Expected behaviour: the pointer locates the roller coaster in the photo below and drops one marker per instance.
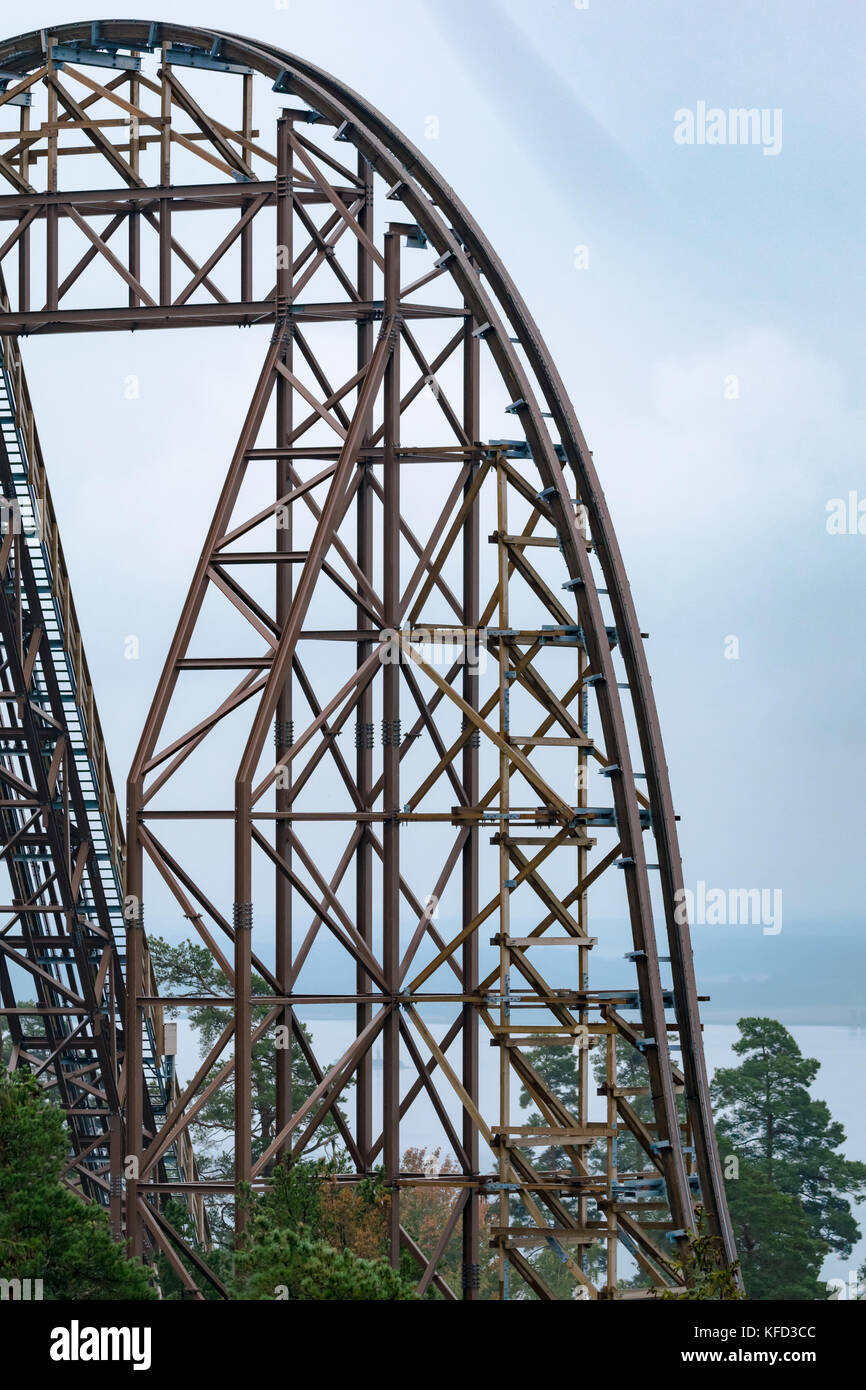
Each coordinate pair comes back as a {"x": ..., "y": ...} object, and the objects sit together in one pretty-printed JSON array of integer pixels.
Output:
[{"x": 404, "y": 750}]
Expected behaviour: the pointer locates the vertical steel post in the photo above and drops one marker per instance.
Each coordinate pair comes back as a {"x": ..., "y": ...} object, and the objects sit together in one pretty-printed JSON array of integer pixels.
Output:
[
  {"x": 165, "y": 181},
  {"x": 243, "y": 924},
  {"x": 24, "y": 239},
  {"x": 284, "y": 586},
  {"x": 470, "y": 857},
  {"x": 612, "y": 1118},
  {"x": 133, "y": 1051},
  {"x": 391, "y": 749},
  {"x": 115, "y": 1180},
  {"x": 364, "y": 712},
  {"x": 247, "y": 233},
  {"x": 134, "y": 217},
  {"x": 503, "y": 803},
  {"x": 51, "y": 212}
]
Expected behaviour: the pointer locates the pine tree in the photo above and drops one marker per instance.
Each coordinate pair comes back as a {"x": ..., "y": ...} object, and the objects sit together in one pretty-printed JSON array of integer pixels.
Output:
[
  {"x": 46, "y": 1231},
  {"x": 792, "y": 1200},
  {"x": 313, "y": 1238},
  {"x": 277, "y": 1263}
]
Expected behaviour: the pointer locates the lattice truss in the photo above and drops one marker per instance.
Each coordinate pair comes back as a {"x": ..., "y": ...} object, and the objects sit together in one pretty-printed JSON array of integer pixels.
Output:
[
  {"x": 405, "y": 737},
  {"x": 60, "y": 980}
]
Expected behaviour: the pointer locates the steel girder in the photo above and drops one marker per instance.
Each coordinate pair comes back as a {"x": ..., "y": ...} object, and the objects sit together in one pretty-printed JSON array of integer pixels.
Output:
[{"x": 357, "y": 547}]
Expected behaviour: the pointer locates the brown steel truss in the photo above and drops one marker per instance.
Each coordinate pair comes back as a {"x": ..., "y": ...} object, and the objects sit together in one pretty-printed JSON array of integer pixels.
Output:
[{"x": 388, "y": 764}]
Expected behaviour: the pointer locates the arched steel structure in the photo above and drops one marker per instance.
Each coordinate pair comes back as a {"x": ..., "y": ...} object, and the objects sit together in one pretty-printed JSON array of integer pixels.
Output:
[{"x": 360, "y": 881}]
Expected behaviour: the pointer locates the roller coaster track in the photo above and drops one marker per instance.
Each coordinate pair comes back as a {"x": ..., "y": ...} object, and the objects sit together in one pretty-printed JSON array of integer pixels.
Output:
[
  {"x": 380, "y": 560},
  {"x": 62, "y": 838}
]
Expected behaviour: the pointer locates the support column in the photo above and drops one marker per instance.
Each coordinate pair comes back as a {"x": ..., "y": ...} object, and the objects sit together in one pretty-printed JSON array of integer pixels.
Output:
[
  {"x": 471, "y": 600},
  {"x": 51, "y": 211},
  {"x": 364, "y": 713},
  {"x": 504, "y": 802},
  {"x": 24, "y": 238},
  {"x": 391, "y": 750},
  {"x": 115, "y": 1165},
  {"x": 243, "y": 929},
  {"x": 134, "y": 217},
  {"x": 131, "y": 1157},
  {"x": 283, "y": 729},
  {"x": 247, "y": 233},
  {"x": 165, "y": 180}
]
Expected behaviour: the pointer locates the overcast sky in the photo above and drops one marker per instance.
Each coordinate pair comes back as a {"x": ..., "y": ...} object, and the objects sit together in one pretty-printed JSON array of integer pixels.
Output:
[{"x": 706, "y": 263}]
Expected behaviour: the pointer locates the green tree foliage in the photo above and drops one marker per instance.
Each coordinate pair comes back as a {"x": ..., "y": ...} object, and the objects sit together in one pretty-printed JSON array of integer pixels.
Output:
[
  {"x": 46, "y": 1231},
  {"x": 787, "y": 1146},
  {"x": 779, "y": 1255},
  {"x": 709, "y": 1277},
  {"x": 312, "y": 1211},
  {"x": 307, "y": 1196},
  {"x": 311, "y": 1237},
  {"x": 278, "y": 1263}
]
